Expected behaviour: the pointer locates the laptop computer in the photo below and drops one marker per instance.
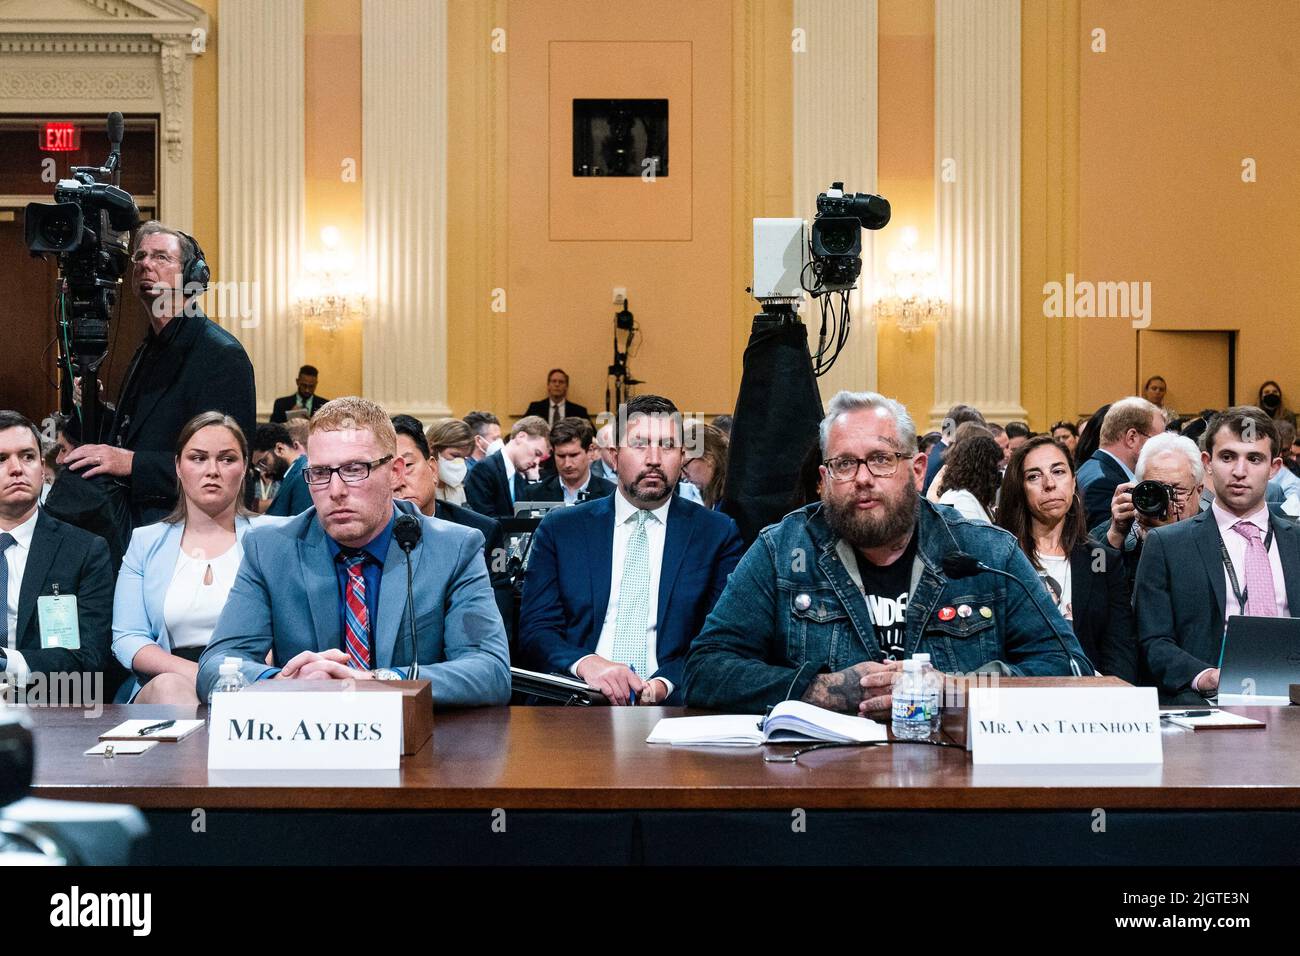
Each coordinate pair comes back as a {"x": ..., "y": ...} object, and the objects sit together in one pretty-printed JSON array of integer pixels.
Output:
[{"x": 1260, "y": 661}]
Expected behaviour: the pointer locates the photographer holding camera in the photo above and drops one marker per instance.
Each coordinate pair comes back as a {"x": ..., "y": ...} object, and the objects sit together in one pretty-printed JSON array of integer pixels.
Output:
[{"x": 187, "y": 364}]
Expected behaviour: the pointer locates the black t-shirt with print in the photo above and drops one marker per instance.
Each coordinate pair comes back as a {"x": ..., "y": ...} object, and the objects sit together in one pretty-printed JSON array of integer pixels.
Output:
[{"x": 886, "y": 590}]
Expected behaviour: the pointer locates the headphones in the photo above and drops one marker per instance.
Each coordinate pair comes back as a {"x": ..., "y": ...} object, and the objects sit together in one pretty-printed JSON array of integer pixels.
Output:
[{"x": 196, "y": 269}]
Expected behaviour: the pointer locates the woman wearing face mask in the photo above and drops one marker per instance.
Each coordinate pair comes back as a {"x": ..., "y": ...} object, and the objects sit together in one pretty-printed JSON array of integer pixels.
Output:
[
  {"x": 451, "y": 442},
  {"x": 1270, "y": 399},
  {"x": 177, "y": 573},
  {"x": 1039, "y": 504}
]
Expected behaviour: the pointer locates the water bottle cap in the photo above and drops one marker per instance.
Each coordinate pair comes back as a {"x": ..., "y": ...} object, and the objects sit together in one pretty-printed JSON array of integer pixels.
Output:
[
  {"x": 923, "y": 658},
  {"x": 229, "y": 666},
  {"x": 911, "y": 665}
]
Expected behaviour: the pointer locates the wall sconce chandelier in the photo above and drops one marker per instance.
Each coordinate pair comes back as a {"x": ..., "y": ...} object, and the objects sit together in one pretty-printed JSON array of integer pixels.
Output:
[
  {"x": 912, "y": 298},
  {"x": 329, "y": 295}
]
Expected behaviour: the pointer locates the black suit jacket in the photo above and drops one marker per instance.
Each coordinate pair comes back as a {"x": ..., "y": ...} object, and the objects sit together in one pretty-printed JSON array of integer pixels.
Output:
[
  {"x": 1099, "y": 491},
  {"x": 486, "y": 490},
  {"x": 494, "y": 554},
  {"x": 78, "y": 562},
  {"x": 542, "y": 409},
  {"x": 280, "y": 410},
  {"x": 550, "y": 490},
  {"x": 1180, "y": 597},
  {"x": 205, "y": 369},
  {"x": 1102, "y": 617}
]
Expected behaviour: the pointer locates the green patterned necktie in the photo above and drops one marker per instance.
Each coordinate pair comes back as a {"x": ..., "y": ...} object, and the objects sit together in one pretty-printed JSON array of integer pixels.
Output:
[{"x": 633, "y": 620}]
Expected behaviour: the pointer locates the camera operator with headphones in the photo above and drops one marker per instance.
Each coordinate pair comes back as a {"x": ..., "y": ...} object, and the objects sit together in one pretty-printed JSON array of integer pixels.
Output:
[{"x": 187, "y": 364}]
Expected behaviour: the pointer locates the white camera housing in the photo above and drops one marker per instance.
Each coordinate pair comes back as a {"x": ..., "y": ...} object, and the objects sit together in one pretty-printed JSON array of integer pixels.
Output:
[{"x": 779, "y": 256}]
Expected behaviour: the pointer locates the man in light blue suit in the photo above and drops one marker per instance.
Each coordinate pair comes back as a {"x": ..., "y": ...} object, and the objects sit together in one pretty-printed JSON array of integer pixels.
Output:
[{"x": 325, "y": 592}]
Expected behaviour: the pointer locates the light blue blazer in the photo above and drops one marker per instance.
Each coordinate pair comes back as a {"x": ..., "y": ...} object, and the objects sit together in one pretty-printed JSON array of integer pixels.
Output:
[
  {"x": 142, "y": 582},
  {"x": 286, "y": 599}
]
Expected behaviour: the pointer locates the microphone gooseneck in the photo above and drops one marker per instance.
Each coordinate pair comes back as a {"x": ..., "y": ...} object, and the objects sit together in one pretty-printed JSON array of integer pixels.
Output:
[
  {"x": 407, "y": 533},
  {"x": 958, "y": 564}
]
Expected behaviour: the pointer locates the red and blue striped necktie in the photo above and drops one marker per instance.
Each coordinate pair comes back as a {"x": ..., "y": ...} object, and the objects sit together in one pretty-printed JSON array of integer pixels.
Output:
[{"x": 356, "y": 616}]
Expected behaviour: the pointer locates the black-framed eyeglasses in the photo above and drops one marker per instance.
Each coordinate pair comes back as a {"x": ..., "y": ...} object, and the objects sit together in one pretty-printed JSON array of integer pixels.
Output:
[
  {"x": 349, "y": 471},
  {"x": 882, "y": 464}
]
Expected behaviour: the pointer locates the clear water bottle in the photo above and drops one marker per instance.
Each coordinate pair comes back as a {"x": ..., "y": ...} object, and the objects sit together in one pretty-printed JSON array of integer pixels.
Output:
[
  {"x": 229, "y": 679},
  {"x": 934, "y": 687},
  {"x": 911, "y": 720}
]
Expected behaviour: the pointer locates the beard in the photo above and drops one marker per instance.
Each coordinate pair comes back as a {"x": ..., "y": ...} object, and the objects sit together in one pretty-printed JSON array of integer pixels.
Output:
[
  {"x": 877, "y": 527},
  {"x": 638, "y": 492}
]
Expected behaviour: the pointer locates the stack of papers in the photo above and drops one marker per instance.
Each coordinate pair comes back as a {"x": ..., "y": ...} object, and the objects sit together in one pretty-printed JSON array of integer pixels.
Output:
[
  {"x": 130, "y": 730},
  {"x": 1217, "y": 720},
  {"x": 791, "y": 721}
]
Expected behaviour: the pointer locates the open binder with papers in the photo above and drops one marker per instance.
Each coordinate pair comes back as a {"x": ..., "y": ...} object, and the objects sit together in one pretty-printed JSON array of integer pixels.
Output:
[{"x": 790, "y": 721}]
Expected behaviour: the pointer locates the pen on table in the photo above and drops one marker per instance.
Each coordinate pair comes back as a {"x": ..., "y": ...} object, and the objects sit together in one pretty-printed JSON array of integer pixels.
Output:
[
  {"x": 154, "y": 728},
  {"x": 632, "y": 668},
  {"x": 1187, "y": 713}
]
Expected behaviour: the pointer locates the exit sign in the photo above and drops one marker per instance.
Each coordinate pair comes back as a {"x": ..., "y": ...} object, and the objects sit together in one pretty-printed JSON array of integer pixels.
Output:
[{"x": 60, "y": 137}]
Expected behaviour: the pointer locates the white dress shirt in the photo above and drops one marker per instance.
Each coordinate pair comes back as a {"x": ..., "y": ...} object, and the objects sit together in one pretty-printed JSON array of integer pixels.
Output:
[
  {"x": 1236, "y": 546},
  {"x": 192, "y": 605},
  {"x": 571, "y": 494},
  {"x": 656, "y": 529},
  {"x": 556, "y": 411},
  {"x": 16, "y": 558},
  {"x": 510, "y": 475}
]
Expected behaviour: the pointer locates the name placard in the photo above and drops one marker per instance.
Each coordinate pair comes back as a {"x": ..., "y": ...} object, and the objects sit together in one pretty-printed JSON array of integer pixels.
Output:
[
  {"x": 287, "y": 731},
  {"x": 1074, "y": 725}
]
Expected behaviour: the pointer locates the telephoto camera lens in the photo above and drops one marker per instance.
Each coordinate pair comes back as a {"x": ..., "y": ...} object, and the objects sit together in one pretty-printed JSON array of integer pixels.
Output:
[{"x": 1151, "y": 498}]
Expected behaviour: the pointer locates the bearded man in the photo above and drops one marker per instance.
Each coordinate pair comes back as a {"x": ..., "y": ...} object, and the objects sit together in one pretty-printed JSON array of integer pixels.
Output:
[{"x": 828, "y": 602}]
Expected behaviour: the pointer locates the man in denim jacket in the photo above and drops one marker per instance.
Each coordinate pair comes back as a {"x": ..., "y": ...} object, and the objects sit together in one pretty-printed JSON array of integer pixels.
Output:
[{"x": 827, "y": 602}]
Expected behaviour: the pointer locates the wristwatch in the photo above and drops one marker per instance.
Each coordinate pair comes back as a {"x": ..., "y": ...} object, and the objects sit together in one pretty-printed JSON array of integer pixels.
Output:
[{"x": 383, "y": 673}]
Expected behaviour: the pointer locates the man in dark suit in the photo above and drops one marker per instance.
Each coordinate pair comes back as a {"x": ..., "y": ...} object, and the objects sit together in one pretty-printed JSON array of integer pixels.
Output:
[
  {"x": 1124, "y": 430},
  {"x": 494, "y": 485},
  {"x": 44, "y": 560},
  {"x": 305, "y": 399},
  {"x": 1234, "y": 558},
  {"x": 187, "y": 364},
  {"x": 556, "y": 404},
  {"x": 574, "y": 482},
  {"x": 617, "y": 588},
  {"x": 419, "y": 485},
  {"x": 277, "y": 455}
]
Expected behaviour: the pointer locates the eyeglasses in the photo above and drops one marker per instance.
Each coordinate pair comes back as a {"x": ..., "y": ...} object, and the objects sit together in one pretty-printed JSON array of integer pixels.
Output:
[
  {"x": 351, "y": 471},
  {"x": 162, "y": 258},
  {"x": 882, "y": 464}
]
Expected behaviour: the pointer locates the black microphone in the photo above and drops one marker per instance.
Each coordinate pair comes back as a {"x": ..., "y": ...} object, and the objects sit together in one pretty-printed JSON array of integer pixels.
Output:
[
  {"x": 958, "y": 564},
  {"x": 407, "y": 532},
  {"x": 116, "y": 129}
]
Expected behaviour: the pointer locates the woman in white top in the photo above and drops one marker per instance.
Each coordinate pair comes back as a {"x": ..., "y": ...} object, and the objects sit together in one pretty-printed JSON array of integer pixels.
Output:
[
  {"x": 451, "y": 442},
  {"x": 176, "y": 574},
  {"x": 1039, "y": 504},
  {"x": 970, "y": 477}
]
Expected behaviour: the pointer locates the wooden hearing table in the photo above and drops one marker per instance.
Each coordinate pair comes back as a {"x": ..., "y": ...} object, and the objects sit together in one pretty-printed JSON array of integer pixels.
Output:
[{"x": 555, "y": 784}]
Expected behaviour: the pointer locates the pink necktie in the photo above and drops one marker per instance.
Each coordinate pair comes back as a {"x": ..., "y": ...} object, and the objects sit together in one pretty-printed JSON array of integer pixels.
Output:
[{"x": 1261, "y": 599}]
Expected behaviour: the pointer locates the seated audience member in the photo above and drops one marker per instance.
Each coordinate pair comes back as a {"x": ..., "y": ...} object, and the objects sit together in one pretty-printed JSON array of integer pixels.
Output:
[
  {"x": 304, "y": 399},
  {"x": 970, "y": 478},
  {"x": 1067, "y": 433},
  {"x": 1175, "y": 462},
  {"x": 419, "y": 485},
  {"x": 707, "y": 470},
  {"x": 573, "y": 482},
  {"x": 826, "y": 602},
  {"x": 1004, "y": 442},
  {"x": 273, "y": 456},
  {"x": 956, "y": 417},
  {"x": 292, "y": 498},
  {"x": 1124, "y": 430},
  {"x": 602, "y": 463},
  {"x": 1039, "y": 505},
  {"x": 1287, "y": 481},
  {"x": 497, "y": 482},
  {"x": 1233, "y": 558},
  {"x": 618, "y": 587},
  {"x": 1154, "y": 391},
  {"x": 1017, "y": 434},
  {"x": 1270, "y": 399},
  {"x": 41, "y": 557},
  {"x": 178, "y": 572},
  {"x": 325, "y": 592},
  {"x": 487, "y": 435},
  {"x": 723, "y": 424},
  {"x": 556, "y": 404},
  {"x": 964, "y": 431},
  {"x": 1089, "y": 437},
  {"x": 926, "y": 443},
  {"x": 450, "y": 443}
]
